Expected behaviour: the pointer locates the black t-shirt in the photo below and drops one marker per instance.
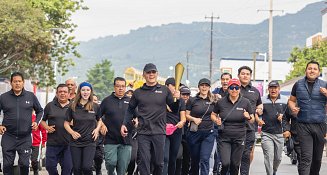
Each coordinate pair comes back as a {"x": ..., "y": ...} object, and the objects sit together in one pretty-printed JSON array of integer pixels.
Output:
[
  {"x": 174, "y": 116},
  {"x": 201, "y": 108},
  {"x": 253, "y": 95},
  {"x": 235, "y": 123},
  {"x": 55, "y": 114},
  {"x": 113, "y": 111},
  {"x": 84, "y": 122},
  {"x": 150, "y": 102}
]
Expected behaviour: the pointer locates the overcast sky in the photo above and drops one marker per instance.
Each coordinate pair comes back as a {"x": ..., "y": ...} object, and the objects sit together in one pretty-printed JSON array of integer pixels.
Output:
[{"x": 114, "y": 17}]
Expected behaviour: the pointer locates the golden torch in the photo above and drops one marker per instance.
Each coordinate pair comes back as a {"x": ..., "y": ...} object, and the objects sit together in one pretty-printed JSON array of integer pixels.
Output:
[{"x": 179, "y": 70}]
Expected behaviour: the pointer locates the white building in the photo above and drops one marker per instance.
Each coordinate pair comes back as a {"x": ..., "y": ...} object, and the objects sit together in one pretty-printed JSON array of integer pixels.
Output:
[
  {"x": 324, "y": 24},
  {"x": 280, "y": 68}
]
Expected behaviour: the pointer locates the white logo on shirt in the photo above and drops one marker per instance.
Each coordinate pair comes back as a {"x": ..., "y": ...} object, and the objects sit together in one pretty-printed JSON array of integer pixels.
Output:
[
  {"x": 27, "y": 102},
  {"x": 26, "y": 151},
  {"x": 158, "y": 92},
  {"x": 251, "y": 91},
  {"x": 208, "y": 103},
  {"x": 126, "y": 102},
  {"x": 92, "y": 112},
  {"x": 240, "y": 109}
]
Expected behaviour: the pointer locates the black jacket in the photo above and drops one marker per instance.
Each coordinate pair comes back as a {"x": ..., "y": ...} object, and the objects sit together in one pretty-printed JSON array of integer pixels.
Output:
[{"x": 17, "y": 112}]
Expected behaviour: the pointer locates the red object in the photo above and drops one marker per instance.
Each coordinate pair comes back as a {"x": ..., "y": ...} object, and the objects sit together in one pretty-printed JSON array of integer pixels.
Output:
[
  {"x": 39, "y": 134},
  {"x": 234, "y": 81}
]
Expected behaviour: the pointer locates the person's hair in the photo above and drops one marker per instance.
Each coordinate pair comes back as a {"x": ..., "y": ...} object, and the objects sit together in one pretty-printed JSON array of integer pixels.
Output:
[
  {"x": 209, "y": 95},
  {"x": 312, "y": 62},
  {"x": 226, "y": 73},
  {"x": 119, "y": 79},
  {"x": 244, "y": 67},
  {"x": 78, "y": 97},
  {"x": 15, "y": 74},
  {"x": 61, "y": 85},
  {"x": 71, "y": 79}
]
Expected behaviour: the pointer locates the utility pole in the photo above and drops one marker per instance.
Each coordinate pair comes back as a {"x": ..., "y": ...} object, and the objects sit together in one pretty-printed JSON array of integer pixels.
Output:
[
  {"x": 254, "y": 55},
  {"x": 270, "y": 41},
  {"x": 187, "y": 64},
  {"x": 210, "y": 59}
]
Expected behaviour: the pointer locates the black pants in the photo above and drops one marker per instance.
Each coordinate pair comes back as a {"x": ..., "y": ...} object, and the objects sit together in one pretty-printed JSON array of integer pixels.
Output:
[
  {"x": 10, "y": 144},
  {"x": 34, "y": 158},
  {"x": 132, "y": 164},
  {"x": 231, "y": 150},
  {"x": 82, "y": 159},
  {"x": 172, "y": 144},
  {"x": 151, "y": 152},
  {"x": 98, "y": 157},
  {"x": 249, "y": 143},
  {"x": 311, "y": 138}
]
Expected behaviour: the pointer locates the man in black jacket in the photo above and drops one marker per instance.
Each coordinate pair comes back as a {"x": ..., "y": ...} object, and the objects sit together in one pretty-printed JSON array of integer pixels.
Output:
[
  {"x": 152, "y": 100},
  {"x": 18, "y": 105}
]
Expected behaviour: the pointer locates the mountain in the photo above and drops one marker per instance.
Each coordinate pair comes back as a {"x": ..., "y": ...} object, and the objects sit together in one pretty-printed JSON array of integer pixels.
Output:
[{"x": 166, "y": 45}]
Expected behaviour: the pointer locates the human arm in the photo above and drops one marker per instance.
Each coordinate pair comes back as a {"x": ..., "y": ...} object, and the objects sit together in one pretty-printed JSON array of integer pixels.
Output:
[
  {"x": 44, "y": 135},
  {"x": 38, "y": 110},
  {"x": 292, "y": 105}
]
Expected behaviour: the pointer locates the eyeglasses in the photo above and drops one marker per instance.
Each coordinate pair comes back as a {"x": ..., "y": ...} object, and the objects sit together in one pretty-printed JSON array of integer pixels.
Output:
[
  {"x": 234, "y": 87},
  {"x": 151, "y": 72},
  {"x": 120, "y": 87}
]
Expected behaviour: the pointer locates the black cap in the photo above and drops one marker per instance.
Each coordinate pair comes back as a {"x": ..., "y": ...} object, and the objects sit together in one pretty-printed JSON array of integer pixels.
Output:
[
  {"x": 185, "y": 90},
  {"x": 204, "y": 81},
  {"x": 169, "y": 81},
  {"x": 273, "y": 84},
  {"x": 149, "y": 67}
]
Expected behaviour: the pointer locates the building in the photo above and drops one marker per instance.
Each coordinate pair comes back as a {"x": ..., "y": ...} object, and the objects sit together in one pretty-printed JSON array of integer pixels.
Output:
[
  {"x": 280, "y": 68},
  {"x": 314, "y": 39},
  {"x": 324, "y": 24}
]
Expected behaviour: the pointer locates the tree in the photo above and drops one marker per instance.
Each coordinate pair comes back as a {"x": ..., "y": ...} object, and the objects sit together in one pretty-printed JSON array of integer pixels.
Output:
[
  {"x": 101, "y": 76},
  {"x": 35, "y": 35},
  {"x": 300, "y": 58},
  {"x": 23, "y": 40}
]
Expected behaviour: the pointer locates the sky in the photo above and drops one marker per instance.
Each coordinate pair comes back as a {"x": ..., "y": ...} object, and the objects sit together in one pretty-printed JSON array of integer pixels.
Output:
[{"x": 115, "y": 17}]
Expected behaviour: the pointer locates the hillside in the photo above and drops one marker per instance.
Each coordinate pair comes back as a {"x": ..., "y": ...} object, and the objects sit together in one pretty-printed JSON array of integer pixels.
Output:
[{"x": 167, "y": 44}]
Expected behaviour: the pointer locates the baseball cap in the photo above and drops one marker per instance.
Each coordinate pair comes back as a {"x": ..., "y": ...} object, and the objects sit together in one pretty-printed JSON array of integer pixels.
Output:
[
  {"x": 169, "y": 81},
  {"x": 234, "y": 81},
  {"x": 149, "y": 67},
  {"x": 273, "y": 84},
  {"x": 185, "y": 90},
  {"x": 204, "y": 81}
]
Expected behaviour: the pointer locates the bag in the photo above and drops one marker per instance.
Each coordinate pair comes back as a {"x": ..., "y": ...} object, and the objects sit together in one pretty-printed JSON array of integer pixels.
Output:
[
  {"x": 289, "y": 145},
  {"x": 221, "y": 127},
  {"x": 193, "y": 127},
  {"x": 170, "y": 129}
]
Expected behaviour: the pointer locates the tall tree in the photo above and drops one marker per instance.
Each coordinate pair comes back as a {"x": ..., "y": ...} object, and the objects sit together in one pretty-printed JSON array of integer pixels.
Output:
[
  {"x": 101, "y": 76},
  {"x": 35, "y": 35},
  {"x": 300, "y": 58},
  {"x": 23, "y": 40}
]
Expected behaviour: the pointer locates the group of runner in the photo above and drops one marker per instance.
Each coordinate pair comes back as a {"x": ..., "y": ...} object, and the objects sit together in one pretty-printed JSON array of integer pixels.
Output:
[{"x": 158, "y": 129}]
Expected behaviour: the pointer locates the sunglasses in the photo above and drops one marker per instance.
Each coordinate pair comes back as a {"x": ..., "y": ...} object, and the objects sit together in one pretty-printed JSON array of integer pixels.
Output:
[
  {"x": 234, "y": 87},
  {"x": 151, "y": 72}
]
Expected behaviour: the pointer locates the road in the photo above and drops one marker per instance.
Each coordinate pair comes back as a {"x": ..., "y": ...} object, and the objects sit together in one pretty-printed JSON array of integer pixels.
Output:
[
  {"x": 285, "y": 168},
  {"x": 257, "y": 167}
]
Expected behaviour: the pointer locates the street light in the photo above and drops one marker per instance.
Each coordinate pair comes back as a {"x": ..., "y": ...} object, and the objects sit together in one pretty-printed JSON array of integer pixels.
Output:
[
  {"x": 171, "y": 68},
  {"x": 265, "y": 73}
]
